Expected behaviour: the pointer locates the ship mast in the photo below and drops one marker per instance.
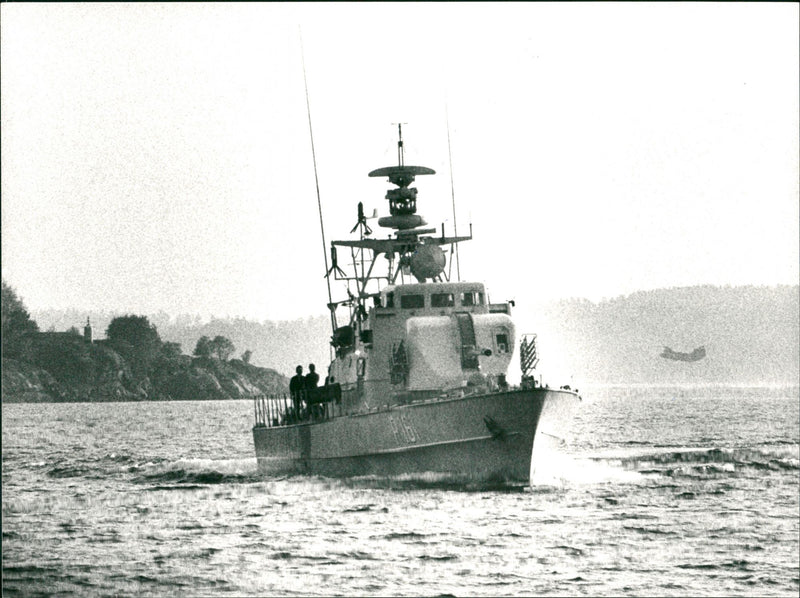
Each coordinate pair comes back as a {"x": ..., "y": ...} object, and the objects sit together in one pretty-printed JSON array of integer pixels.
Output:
[
  {"x": 413, "y": 249},
  {"x": 400, "y": 148}
]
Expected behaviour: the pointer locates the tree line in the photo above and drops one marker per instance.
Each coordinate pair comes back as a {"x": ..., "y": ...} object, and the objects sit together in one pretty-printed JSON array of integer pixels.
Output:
[
  {"x": 132, "y": 336},
  {"x": 219, "y": 346}
]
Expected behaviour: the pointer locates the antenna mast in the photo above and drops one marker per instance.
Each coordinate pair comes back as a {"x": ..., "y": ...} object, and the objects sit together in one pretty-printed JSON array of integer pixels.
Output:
[
  {"x": 401, "y": 152},
  {"x": 452, "y": 189},
  {"x": 316, "y": 182}
]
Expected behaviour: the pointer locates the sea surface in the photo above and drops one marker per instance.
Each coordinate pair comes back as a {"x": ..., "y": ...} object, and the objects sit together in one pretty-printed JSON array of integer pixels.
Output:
[{"x": 658, "y": 491}]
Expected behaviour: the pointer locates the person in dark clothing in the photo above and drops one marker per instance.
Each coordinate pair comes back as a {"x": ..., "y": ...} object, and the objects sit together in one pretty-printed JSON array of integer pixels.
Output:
[
  {"x": 311, "y": 381},
  {"x": 312, "y": 377},
  {"x": 296, "y": 387}
]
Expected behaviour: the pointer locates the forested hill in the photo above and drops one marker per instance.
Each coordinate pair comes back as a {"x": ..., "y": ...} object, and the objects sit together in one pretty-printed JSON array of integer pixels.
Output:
[
  {"x": 132, "y": 363},
  {"x": 751, "y": 335},
  {"x": 280, "y": 345}
]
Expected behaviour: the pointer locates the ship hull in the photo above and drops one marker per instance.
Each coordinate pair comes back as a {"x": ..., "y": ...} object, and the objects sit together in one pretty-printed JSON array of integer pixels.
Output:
[{"x": 487, "y": 437}]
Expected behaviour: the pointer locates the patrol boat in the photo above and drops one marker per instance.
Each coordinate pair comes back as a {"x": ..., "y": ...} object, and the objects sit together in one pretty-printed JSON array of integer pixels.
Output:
[{"x": 418, "y": 384}]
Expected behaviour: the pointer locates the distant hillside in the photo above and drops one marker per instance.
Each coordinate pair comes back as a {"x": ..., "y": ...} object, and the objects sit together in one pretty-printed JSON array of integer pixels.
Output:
[
  {"x": 751, "y": 334},
  {"x": 281, "y": 345}
]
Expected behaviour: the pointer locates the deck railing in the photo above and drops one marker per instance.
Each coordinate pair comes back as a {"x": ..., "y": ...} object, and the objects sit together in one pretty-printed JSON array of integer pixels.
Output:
[{"x": 284, "y": 409}]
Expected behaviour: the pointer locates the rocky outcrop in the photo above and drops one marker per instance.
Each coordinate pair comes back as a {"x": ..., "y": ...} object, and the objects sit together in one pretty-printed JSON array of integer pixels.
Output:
[
  {"x": 24, "y": 383},
  {"x": 63, "y": 367},
  {"x": 209, "y": 378}
]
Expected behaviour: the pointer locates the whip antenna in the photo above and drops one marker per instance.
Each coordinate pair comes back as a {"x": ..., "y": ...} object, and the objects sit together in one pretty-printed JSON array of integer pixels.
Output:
[
  {"x": 316, "y": 182},
  {"x": 452, "y": 188}
]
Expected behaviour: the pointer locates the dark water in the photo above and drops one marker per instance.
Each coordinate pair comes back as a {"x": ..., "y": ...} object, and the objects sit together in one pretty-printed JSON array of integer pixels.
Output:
[{"x": 683, "y": 491}]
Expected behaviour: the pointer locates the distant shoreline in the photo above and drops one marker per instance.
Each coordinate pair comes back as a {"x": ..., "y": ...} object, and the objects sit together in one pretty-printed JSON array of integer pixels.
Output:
[
  {"x": 15, "y": 401},
  {"x": 699, "y": 385},
  {"x": 587, "y": 390}
]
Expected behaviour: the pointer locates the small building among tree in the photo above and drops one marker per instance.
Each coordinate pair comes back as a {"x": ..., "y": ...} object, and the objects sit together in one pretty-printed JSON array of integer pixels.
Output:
[{"x": 87, "y": 331}]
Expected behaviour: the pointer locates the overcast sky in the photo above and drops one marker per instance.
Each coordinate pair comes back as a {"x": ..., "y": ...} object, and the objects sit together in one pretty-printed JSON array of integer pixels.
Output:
[{"x": 157, "y": 156}]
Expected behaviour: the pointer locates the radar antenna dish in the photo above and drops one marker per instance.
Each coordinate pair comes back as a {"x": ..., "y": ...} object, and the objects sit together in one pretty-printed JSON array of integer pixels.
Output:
[{"x": 403, "y": 200}]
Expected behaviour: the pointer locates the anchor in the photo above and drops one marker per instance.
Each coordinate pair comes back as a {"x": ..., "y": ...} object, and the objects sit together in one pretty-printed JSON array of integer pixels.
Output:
[{"x": 496, "y": 430}]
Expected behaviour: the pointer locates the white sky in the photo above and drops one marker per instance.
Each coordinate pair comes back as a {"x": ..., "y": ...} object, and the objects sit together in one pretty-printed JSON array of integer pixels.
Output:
[{"x": 157, "y": 156}]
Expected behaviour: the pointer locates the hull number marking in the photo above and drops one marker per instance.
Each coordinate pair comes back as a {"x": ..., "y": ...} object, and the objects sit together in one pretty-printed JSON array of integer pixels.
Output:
[{"x": 403, "y": 431}]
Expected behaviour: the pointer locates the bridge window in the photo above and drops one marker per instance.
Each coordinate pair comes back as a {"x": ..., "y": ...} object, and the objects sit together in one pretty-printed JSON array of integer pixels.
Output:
[
  {"x": 443, "y": 300},
  {"x": 470, "y": 298},
  {"x": 412, "y": 301},
  {"x": 389, "y": 300}
]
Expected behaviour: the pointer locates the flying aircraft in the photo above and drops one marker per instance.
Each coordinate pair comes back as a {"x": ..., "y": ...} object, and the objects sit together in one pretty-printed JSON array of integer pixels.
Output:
[{"x": 696, "y": 355}]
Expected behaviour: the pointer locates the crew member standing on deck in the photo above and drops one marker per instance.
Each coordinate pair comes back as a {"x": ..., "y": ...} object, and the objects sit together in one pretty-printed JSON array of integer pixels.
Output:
[
  {"x": 311, "y": 381},
  {"x": 296, "y": 389},
  {"x": 312, "y": 377}
]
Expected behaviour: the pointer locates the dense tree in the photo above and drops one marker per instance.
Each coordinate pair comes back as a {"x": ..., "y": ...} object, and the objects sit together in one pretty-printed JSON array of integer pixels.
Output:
[
  {"x": 203, "y": 348},
  {"x": 136, "y": 339},
  {"x": 16, "y": 321},
  {"x": 136, "y": 330},
  {"x": 67, "y": 358},
  {"x": 171, "y": 349},
  {"x": 222, "y": 347}
]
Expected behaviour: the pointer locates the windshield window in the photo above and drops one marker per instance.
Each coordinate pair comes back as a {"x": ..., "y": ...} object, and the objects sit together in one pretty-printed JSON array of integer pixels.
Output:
[
  {"x": 442, "y": 300},
  {"x": 471, "y": 298},
  {"x": 412, "y": 301}
]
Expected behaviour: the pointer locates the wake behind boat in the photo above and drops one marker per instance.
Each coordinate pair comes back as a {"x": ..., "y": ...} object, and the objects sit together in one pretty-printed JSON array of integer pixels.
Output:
[{"x": 418, "y": 382}]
